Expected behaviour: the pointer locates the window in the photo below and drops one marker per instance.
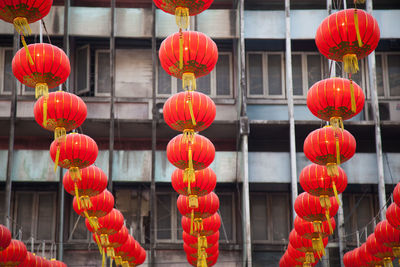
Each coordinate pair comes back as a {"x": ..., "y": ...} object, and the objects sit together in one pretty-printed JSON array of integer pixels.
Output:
[
  {"x": 77, "y": 228},
  {"x": 102, "y": 73},
  {"x": 6, "y": 76},
  {"x": 168, "y": 218},
  {"x": 227, "y": 213},
  {"x": 358, "y": 212},
  {"x": 217, "y": 84},
  {"x": 35, "y": 215},
  {"x": 269, "y": 215},
  {"x": 134, "y": 205},
  {"x": 82, "y": 67},
  {"x": 265, "y": 74}
]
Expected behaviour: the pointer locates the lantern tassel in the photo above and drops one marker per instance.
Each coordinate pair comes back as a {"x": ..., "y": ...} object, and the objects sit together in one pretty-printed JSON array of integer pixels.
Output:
[
  {"x": 352, "y": 96},
  {"x": 317, "y": 226},
  {"x": 118, "y": 260},
  {"x": 360, "y": 43},
  {"x": 359, "y": 1},
  {"x": 78, "y": 201},
  {"x": 103, "y": 261},
  {"x": 180, "y": 49},
  {"x": 193, "y": 201},
  {"x": 396, "y": 252},
  {"x": 110, "y": 253},
  {"x": 28, "y": 54},
  {"x": 350, "y": 62},
  {"x": 387, "y": 262},
  {"x": 125, "y": 264},
  {"x": 60, "y": 132},
  {"x": 104, "y": 240},
  {"x": 325, "y": 201},
  {"x": 310, "y": 257},
  {"x": 329, "y": 221},
  {"x": 182, "y": 17},
  {"x": 41, "y": 89},
  {"x": 332, "y": 169},
  {"x": 198, "y": 225},
  {"x": 337, "y": 151},
  {"x": 191, "y": 221},
  {"x": 336, "y": 193},
  {"x": 22, "y": 26},
  {"x": 336, "y": 123},
  {"x": 98, "y": 243},
  {"x": 189, "y": 102},
  {"x": 85, "y": 201},
  {"x": 75, "y": 173},
  {"x": 45, "y": 111},
  {"x": 188, "y": 135},
  {"x": 111, "y": 259},
  {"x": 189, "y": 81},
  {"x": 189, "y": 177},
  {"x": 57, "y": 158}
]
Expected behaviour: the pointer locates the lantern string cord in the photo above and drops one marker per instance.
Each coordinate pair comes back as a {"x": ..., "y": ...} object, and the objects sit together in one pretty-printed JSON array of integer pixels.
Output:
[{"x": 45, "y": 29}]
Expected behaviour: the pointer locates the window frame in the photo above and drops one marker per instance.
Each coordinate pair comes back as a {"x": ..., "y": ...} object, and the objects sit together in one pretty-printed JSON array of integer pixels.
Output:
[
  {"x": 87, "y": 89},
  {"x": 35, "y": 213},
  {"x": 173, "y": 218},
  {"x": 233, "y": 219},
  {"x": 385, "y": 72},
  {"x": 265, "y": 75},
  {"x": 71, "y": 227},
  {"x": 213, "y": 80},
  {"x": 268, "y": 196},
  {"x": 96, "y": 72},
  {"x": 2, "y": 69}
]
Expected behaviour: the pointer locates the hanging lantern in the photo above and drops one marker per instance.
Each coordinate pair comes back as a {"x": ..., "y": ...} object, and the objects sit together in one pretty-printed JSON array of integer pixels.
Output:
[
  {"x": 127, "y": 251},
  {"x": 60, "y": 112},
  {"x": 393, "y": 215},
  {"x": 188, "y": 55},
  {"x": 198, "y": 242},
  {"x": 204, "y": 182},
  {"x": 109, "y": 224},
  {"x": 49, "y": 68},
  {"x": 308, "y": 259},
  {"x": 202, "y": 253},
  {"x": 14, "y": 254},
  {"x": 102, "y": 204},
  {"x": 202, "y": 227},
  {"x": 210, "y": 260},
  {"x": 114, "y": 241},
  {"x": 5, "y": 237},
  {"x": 306, "y": 230},
  {"x": 315, "y": 180},
  {"x": 190, "y": 154},
  {"x": 335, "y": 100},
  {"x": 189, "y": 111},
  {"x": 140, "y": 258},
  {"x": 183, "y": 9},
  {"x": 309, "y": 208},
  {"x": 388, "y": 236},
  {"x": 56, "y": 263},
  {"x": 76, "y": 151},
  {"x": 207, "y": 206},
  {"x": 329, "y": 147},
  {"x": 367, "y": 259},
  {"x": 347, "y": 259},
  {"x": 396, "y": 194},
  {"x": 378, "y": 250},
  {"x": 30, "y": 260},
  {"x": 348, "y": 35},
  {"x": 93, "y": 181},
  {"x": 306, "y": 245},
  {"x": 287, "y": 261}
]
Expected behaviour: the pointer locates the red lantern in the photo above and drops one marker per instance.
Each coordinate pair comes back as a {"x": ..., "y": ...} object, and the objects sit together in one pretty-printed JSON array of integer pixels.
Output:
[
  {"x": 306, "y": 258},
  {"x": 203, "y": 241},
  {"x": 127, "y": 252},
  {"x": 49, "y": 68},
  {"x": 348, "y": 35},
  {"x": 201, "y": 151},
  {"x": 348, "y": 259},
  {"x": 109, "y": 224},
  {"x": 306, "y": 230},
  {"x": 5, "y": 237},
  {"x": 209, "y": 261},
  {"x": 378, "y": 250},
  {"x": 315, "y": 180},
  {"x": 388, "y": 236},
  {"x": 56, "y": 263},
  {"x": 396, "y": 194},
  {"x": 192, "y": 111},
  {"x": 310, "y": 209},
  {"x": 306, "y": 245},
  {"x": 30, "y": 260},
  {"x": 367, "y": 259},
  {"x": 93, "y": 181},
  {"x": 287, "y": 261},
  {"x": 183, "y": 9},
  {"x": 393, "y": 215},
  {"x": 207, "y": 206},
  {"x": 330, "y": 147},
  {"x": 14, "y": 254},
  {"x": 201, "y": 252},
  {"x": 115, "y": 240},
  {"x": 76, "y": 151},
  {"x": 188, "y": 55},
  {"x": 60, "y": 112},
  {"x": 335, "y": 100},
  {"x": 202, "y": 227},
  {"x": 140, "y": 258}
]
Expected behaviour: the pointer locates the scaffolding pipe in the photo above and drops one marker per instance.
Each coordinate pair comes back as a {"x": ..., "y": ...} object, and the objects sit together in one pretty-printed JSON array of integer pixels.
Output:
[
  {"x": 153, "y": 139},
  {"x": 289, "y": 93},
  {"x": 377, "y": 121},
  {"x": 112, "y": 98}
]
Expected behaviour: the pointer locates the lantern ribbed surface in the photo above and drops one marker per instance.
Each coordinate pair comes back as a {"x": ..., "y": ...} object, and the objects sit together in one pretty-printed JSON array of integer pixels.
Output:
[
  {"x": 205, "y": 182},
  {"x": 208, "y": 205}
]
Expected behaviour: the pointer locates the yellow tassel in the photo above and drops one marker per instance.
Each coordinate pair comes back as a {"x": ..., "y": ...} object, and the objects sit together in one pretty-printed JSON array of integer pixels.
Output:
[
  {"x": 193, "y": 201},
  {"x": 78, "y": 201},
  {"x": 111, "y": 260},
  {"x": 110, "y": 253},
  {"x": 104, "y": 259},
  {"x": 329, "y": 221},
  {"x": 125, "y": 264},
  {"x": 188, "y": 81},
  {"x": 359, "y": 1},
  {"x": 310, "y": 257},
  {"x": 60, "y": 132},
  {"x": 57, "y": 158},
  {"x": 353, "y": 99},
  {"x": 118, "y": 260},
  {"x": 45, "y": 111},
  {"x": 190, "y": 160},
  {"x": 198, "y": 225},
  {"x": 202, "y": 242},
  {"x": 182, "y": 17},
  {"x": 191, "y": 222},
  {"x": 317, "y": 226},
  {"x": 85, "y": 202},
  {"x": 41, "y": 89},
  {"x": 189, "y": 177},
  {"x": 189, "y": 102},
  {"x": 336, "y": 123},
  {"x": 98, "y": 243},
  {"x": 336, "y": 194},
  {"x": 387, "y": 262},
  {"x": 180, "y": 50},
  {"x": 104, "y": 240},
  {"x": 306, "y": 264},
  {"x": 188, "y": 135},
  {"x": 75, "y": 173},
  {"x": 324, "y": 201},
  {"x": 350, "y": 63},
  {"x": 332, "y": 169},
  {"x": 396, "y": 252},
  {"x": 360, "y": 44},
  {"x": 337, "y": 151},
  {"x": 22, "y": 26},
  {"x": 28, "y": 54}
]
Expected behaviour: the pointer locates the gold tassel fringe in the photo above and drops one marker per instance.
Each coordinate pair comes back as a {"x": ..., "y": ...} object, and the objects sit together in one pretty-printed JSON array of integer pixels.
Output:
[
  {"x": 336, "y": 193},
  {"x": 41, "y": 89},
  {"x": 22, "y": 26},
  {"x": 191, "y": 221},
  {"x": 180, "y": 49},
  {"x": 78, "y": 201},
  {"x": 317, "y": 226},
  {"x": 360, "y": 44},
  {"x": 350, "y": 62},
  {"x": 193, "y": 201},
  {"x": 325, "y": 201},
  {"x": 57, "y": 158},
  {"x": 182, "y": 17},
  {"x": 198, "y": 224},
  {"x": 45, "y": 111},
  {"x": 189, "y": 102},
  {"x": 337, "y": 151},
  {"x": 396, "y": 252},
  {"x": 336, "y": 123},
  {"x": 332, "y": 169},
  {"x": 60, "y": 132},
  {"x": 188, "y": 81},
  {"x": 329, "y": 221}
]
